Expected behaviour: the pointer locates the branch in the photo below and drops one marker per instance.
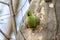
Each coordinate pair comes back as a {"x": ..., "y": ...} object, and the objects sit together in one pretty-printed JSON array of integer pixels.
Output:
[
  {"x": 6, "y": 36},
  {"x": 22, "y": 35},
  {"x": 4, "y": 3},
  {"x": 15, "y": 6},
  {"x": 13, "y": 18},
  {"x": 22, "y": 6}
]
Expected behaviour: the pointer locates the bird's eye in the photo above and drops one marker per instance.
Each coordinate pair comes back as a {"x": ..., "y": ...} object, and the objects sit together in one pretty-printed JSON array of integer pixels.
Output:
[{"x": 28, "y": 14}]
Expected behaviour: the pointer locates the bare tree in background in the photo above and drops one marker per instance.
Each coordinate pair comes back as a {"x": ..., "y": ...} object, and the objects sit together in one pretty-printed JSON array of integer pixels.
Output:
[{"x": 13, "y": 4}]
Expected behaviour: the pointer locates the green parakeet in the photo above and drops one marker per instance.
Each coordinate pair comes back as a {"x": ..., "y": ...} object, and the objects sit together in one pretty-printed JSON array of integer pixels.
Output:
[{"x": 30, "y": 19}]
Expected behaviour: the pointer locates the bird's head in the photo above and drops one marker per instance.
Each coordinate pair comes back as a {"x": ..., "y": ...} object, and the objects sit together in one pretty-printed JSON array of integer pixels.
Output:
[{"x": 28, "y": 13}]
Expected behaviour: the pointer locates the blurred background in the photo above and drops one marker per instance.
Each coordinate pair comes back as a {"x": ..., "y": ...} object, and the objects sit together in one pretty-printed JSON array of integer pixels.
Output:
[
  {"x": 5, "y": 15},
  {"x": 45, "y": 11}
]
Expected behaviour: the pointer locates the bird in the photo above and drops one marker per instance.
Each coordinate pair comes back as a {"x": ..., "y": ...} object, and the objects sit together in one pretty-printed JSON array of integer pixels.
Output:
[{"x": 30, "y": 19}]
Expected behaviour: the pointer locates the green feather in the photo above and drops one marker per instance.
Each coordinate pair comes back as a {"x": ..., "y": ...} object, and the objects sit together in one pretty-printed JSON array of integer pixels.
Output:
[{"x": 30, "y": 20}]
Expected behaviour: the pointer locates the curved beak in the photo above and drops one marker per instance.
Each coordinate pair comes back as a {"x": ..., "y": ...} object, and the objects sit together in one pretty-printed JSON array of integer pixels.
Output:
[{"x": 27, "y": 12}]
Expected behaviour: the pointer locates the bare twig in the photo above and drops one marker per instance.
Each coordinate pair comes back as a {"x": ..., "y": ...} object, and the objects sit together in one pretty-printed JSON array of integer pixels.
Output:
[
  {"x": 22, "y": 6},
  {"x": 7, "y": 15},
  {"x": 22, "y": 35},
  {"x": 14, "y": 23},
  {"x": 4, "y": 3},
  {"x": 13, "y": 18},
  {"x": 18, "y": 12},
  {"x": 15, "y": 6},
  {"x": 6, "y": 36}
]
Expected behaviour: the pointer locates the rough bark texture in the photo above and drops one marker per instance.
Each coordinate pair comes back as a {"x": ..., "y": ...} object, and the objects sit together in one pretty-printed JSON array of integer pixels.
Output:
[
  {"x": 58, "y": 15},
  {"x": 46, "y": 29}
]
